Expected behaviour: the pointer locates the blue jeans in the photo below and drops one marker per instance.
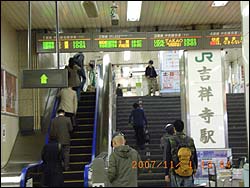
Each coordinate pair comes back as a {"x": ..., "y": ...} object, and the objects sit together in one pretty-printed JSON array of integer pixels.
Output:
[
  {"x": 177, "y": 181},
  {"x": 78, "y": 92}
]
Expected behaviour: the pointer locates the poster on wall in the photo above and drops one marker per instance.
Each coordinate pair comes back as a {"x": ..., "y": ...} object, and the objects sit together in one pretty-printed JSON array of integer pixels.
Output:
[
  {"x": 205, "y": 98},
  {"x": 171, "y": 81},
  {"x": 208, "y": 156},
  {"x": 169, "y": 75},
  {"x": 8, "y": 92}
]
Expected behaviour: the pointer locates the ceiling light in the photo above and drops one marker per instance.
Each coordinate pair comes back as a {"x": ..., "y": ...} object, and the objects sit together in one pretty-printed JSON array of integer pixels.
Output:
[
  {"x": 245, "y": 11},
  {"x": 134, "y": 10},
  {"x": 219, "y": 3},
  {"x": 90, "y": 8},
  {"x": 14, "y": 179}
]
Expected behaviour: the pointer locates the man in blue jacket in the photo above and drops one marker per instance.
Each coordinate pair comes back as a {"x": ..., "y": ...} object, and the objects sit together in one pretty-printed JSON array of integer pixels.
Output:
[{"x": 139, "y": 121}]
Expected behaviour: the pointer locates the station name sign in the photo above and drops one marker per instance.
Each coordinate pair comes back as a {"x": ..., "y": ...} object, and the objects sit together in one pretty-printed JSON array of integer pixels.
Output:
[{"x": 139, "y": 41}]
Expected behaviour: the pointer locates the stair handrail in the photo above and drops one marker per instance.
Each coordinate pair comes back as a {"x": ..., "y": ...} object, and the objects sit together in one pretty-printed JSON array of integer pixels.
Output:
[
  {"x": 25, "y": 170},
  {"x": 93, "y": 153}
]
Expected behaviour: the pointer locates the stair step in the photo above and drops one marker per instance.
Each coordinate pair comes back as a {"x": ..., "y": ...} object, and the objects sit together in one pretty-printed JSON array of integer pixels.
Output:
[
  {"x": 69, "y": 175},
  {"x": 151, "y": 183},
  {"x": 82, "y": 134},
  {"x": 73, "y": 183}
]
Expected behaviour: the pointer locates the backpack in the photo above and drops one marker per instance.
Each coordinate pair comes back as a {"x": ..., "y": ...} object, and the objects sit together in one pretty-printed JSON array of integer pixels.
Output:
[
  {"x": 182, "y": 157},
  {"x": 79, "y": 60}
]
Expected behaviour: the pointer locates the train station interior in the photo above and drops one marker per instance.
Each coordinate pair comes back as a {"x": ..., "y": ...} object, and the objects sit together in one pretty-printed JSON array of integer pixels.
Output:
[{"x": 199, "y": 51}]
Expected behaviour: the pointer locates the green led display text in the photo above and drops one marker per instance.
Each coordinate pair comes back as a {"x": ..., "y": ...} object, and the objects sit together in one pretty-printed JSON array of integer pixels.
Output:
[
  {"x": 48, "y": 45},
  {"x": 175, "y": 42},
  {"x": 77, "y": 44}
]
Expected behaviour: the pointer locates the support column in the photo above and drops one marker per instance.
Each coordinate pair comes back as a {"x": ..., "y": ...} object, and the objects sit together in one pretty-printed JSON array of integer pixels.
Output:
[{"x": 245, "y": 55}]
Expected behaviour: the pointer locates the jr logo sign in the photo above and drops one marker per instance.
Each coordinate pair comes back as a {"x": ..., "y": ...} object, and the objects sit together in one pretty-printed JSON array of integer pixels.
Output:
[{"x": 204, "y": 55}]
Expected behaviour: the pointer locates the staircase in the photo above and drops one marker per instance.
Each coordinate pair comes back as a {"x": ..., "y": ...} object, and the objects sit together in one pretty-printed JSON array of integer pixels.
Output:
[
  {"x": 237, "y": 131},
  {"x": 81, "y": 141},
  {"x": 158, "y": 111}
]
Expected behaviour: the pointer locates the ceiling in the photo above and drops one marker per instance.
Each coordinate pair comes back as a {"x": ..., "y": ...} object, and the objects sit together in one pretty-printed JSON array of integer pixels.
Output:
[{"x": 164, "y": 14}]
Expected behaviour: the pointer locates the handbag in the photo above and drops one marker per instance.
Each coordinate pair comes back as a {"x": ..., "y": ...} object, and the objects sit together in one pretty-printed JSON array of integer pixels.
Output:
[{"x": 146, "y": 135}]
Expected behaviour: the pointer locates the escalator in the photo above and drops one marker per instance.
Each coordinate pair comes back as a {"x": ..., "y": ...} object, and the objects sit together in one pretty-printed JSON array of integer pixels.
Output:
[{"x": 81, "y": 141}]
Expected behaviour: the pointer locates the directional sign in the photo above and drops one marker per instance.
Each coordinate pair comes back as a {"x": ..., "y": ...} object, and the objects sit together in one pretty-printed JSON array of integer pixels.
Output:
[{"x": 46, "y": 78}]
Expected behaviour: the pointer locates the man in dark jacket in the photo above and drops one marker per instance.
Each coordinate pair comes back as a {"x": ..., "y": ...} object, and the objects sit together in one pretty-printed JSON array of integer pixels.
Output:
[
  {"x": 151, "y": 75},
  {"x": 52, "y": 164},
  {"x": 61, "y": 127},
  {"x": 170, "y": 154},
  {"x": 119, "y": 90},
  {"x": 139, "y": 121},
  {"x": 79, "y": 60},
  {"x": 123, "y": 163}
]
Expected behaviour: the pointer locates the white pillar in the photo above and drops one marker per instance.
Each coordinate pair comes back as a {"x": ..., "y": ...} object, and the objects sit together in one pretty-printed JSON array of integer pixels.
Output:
[{"x": 245, "y": 55}]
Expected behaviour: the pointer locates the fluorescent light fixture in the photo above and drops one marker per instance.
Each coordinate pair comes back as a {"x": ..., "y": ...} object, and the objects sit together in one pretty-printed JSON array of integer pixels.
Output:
[
  {"x": 126, "y": 55},
  {"x": 245, "y": 11},
  {"x": 13, "y": 179},
  {"x": 134, "y": 10},
  {"x": 219, "y": 3}
]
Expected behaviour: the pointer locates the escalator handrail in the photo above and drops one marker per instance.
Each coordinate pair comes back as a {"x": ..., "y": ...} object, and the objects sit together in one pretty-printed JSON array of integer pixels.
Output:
[
  {"x": 53, "y": 115},
  {"x": 25, "y": 169},
  {"x": 86, "y": 167},
  {"x": 95, "y": 120}
]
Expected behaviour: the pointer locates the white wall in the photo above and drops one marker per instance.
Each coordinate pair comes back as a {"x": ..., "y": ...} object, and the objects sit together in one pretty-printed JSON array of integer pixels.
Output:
[
  {"x": 9, "y": 62},
  {"x": 245, "y": 55}
]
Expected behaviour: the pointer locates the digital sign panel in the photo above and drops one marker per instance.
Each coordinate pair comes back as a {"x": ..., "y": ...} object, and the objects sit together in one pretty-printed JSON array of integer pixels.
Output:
[
  {"x": 174, "y": 40},
  {"x": 67, "y": 42},
  {"x": 119, "y": 42},
  {"x": 223, "y": 39}
]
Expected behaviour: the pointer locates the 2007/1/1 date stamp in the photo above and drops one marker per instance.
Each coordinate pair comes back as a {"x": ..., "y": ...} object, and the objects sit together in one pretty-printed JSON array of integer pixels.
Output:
[{"x": 149, "y": 164}]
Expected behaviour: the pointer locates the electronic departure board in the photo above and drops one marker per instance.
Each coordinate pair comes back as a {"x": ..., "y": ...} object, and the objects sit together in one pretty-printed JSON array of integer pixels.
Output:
[
  {"x": 119, "y": 42},
  {"x": 174, "y": 40},
  {"x": 222, "y": 39},
  {"x": 68, "y": 42}
]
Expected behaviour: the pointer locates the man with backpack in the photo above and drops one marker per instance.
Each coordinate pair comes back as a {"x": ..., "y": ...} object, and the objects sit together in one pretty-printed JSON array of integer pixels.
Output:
[
  {"x": 181, "y": 158},
  {"x": 79, "y": 60}
]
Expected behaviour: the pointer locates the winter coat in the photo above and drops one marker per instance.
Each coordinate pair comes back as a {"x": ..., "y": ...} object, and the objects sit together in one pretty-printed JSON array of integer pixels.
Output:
[
  {"x": 123, "y": 167},
  {"x": 61, "y": 127},
  {"x": 68, "y": 100},
  {"x": 139, "y": 118},
  {"x": 52, "y": 168},
  {"x": 74, "y": 79}
]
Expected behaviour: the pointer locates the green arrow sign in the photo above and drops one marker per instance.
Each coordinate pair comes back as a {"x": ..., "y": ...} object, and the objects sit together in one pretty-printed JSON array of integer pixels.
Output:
[{"x": 44, "y": 79}]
